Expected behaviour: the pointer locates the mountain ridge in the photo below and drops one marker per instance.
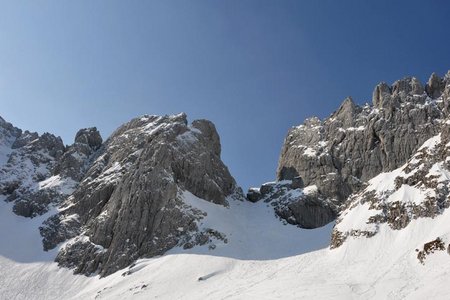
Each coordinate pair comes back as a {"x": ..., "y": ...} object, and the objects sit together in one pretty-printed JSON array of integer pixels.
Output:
[
  {"x": 155, "y": 197},
  {"x": 355, "y": 143}
]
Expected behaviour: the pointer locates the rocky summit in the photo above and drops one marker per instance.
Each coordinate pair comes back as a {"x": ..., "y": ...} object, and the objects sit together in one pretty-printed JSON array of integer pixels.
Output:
[
  {"x": 418, "y": 189},
  {"x": 334, "y": 157},
  {"x": 26, "y": 177},
  {"x": 119, "y": 200},
  {"x": 129, "y": 204}
]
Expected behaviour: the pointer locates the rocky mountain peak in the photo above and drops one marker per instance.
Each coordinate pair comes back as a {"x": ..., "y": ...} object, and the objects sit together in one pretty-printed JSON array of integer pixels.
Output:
[
  {"x": 89, "y": 136},
  {"x": 209, "y": 132},
  {"x": 121, "y": 199},
  {"x": 381, "y": 95},
  {"x": 51, "y": 143},
  {"x": 312, "y": 122},
  {"x": 346, "y": 112},
  {"x": 25, "y": 139},
  {"x": 30, "y": 159},
  {"x": 401, "y": 91},
  {"x": 416, "y": 190},
  {"x": 8, "y": 131},
  {"x": 407, "y": 86},
  {"x": 334, "y": 157},
  {"x": 436, "y": 85},
  {"x": 78, "y": 157},
  {"x": 130, "y": 201}
]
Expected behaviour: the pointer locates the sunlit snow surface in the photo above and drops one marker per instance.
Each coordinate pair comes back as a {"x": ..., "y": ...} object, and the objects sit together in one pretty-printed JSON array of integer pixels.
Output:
[
  {"x": 263, "y": 259},
  {"x": 253, "y": 234}
]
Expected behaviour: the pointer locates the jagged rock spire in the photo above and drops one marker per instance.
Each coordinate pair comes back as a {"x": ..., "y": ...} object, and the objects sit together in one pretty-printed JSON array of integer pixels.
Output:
[
  {"x": 435, "y": 86},
  {"x": 356, "y": 143}
]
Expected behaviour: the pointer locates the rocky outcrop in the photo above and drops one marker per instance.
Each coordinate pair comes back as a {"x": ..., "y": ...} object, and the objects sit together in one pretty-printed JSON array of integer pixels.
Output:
[
  {"x": 24, "y": 178},
  {"x": 130, "y": 202},
  {"x": 418, "y": 189},
  {"x": 295, "y": 204},
  {"x": 430, "y": 248},
  {"x": 8, "y": 136},
  {"x": 38, "y": 171},
  {"x": 435, "y": 86},
  {"x": 356, "y": 143},
  {"x": 121, "y": 199},
  {"x": 77, "y": 157}
]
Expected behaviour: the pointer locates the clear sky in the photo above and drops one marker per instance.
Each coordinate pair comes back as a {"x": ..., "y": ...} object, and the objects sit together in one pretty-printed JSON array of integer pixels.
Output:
[{"x": 255, "y": 68}]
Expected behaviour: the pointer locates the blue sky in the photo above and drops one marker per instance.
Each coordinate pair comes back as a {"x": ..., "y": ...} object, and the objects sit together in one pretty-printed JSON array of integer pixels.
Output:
[{"x": 255, "y": 68}]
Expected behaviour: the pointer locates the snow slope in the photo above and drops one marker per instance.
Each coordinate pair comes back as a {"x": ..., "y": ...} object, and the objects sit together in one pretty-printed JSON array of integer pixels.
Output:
[
  {"x": 26, "y": 271},
  {"x": 266, "y": 261},
  {"x": 253, "y": 235},
  {"x": 253, "y": 231},
  {"x": 382, "y": 267},
  {"x": 359, "y": 271}
]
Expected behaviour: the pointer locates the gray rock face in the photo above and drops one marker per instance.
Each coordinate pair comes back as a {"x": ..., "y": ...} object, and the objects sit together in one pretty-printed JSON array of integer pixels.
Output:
[
  {"x": 77, "y": 158},
  {"x": 422, "y": 179},
  {"x": 8, "y": 136},
  {"x": 90, "y": 137},
  {"x": 309, "y": 212},
  {"x": 38, "y": 172},
  {"x": 356, "y": 143},
  {"x": 23, "y": 178},
  {"x": 8, "y": 129},
  {"x": 130, "y": 202},
  {"x": 294, "y": 204},
  {"x": 122, "y": 199},
  {"x": 435, "y": 86}
]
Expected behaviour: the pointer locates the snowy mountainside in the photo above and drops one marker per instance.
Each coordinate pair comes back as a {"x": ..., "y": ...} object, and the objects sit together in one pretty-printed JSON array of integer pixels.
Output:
[
  {"x": 129, "y": 204},
  {"x": 254, "y": 239},
  {"x": 25, "y": 176},
  {"x": 385, "y": 267},
  {"x": 153, "y": 212},
  {"x": 121, "y": 199},
  {"x": 405, "y": 256},
  {"x": 382, "y": 267},
  {"x": 8, "y": 135},
  {"x": 419, "y": 189},
  {"x": 356, "y": 143}
]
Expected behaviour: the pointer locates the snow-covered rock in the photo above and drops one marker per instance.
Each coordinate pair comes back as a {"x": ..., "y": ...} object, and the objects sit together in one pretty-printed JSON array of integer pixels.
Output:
[
  {"x": 30, "y": 159},
  {"x": 356, "y": 143},
  {"x": 295, "y": 204},
  {"x": 155, "y": 209},
  {"x": 129, "y": 204},
  {"x": 418, "y": 189}
]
